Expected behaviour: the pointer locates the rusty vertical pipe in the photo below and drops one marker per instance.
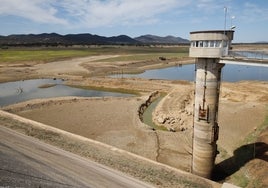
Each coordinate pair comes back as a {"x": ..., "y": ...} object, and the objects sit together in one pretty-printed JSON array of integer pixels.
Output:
[{"x": 208, "y": 77}]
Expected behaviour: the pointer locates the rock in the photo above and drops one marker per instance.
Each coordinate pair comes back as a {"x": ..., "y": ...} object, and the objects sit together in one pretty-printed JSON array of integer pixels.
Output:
[
  {"x": 169, "y": 120},
  {"x": 160, "y": 120}
]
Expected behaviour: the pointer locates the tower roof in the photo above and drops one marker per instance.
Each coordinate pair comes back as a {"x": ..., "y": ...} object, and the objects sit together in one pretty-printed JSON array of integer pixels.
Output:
[{"x": 228, "y": 33}]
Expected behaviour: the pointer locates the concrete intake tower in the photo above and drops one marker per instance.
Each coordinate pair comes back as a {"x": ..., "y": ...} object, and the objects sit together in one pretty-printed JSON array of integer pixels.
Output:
[{"x": 207, "y": 47}]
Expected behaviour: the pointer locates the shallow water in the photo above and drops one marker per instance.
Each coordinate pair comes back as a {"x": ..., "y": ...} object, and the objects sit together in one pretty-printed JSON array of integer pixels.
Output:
[
  {"x": 14, "y": 92},
  {"x": 147, "y": 115},
  {"x": 230, "y": 73}
]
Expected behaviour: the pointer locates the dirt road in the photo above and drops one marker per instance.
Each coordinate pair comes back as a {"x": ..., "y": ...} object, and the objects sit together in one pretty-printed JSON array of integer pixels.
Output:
[
  {"x": 27, "y": 162},
  {"x": 68, "y": 67}
]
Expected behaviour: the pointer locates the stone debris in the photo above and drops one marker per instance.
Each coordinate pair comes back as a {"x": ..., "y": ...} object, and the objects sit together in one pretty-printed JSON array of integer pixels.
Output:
[{"x": 175, "y": 111}]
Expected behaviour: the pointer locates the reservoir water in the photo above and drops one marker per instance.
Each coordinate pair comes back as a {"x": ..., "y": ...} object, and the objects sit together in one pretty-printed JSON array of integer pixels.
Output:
[
  {"x": 230, "y": 73},
  {"x": 14, "y": 92}
]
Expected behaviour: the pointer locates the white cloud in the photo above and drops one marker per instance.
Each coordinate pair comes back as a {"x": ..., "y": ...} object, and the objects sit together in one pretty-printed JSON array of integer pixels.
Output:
[
  {"x": 210, "y": 6},
  {"x": 205, "y": 4},
  {"x": 95, "y": 13},
  {"x": 36, "y": 10},
  {"x": 253, "y": 13},
  {"x": 90, "y": 13}
]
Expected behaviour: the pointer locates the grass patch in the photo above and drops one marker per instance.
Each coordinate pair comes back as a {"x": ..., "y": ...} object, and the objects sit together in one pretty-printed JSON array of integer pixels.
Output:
[
  {"x": 44, "y": 86},
  {"x": 240, "y": 180},
  {"x": 223, "y": 153},
  {"x": 15, "y": 55},
  {"x": 245, "y": 154},
  {"x": 252, "y": 137},
  {"x": 139, "y": 49},
  {"x": 116, "y": 90},
  {"x": 143, "y": 57},
  {"x": 40, "y": 55}
]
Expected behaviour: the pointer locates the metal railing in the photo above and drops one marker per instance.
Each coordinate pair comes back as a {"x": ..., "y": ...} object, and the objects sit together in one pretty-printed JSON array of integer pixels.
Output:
[{"x": 248, "y": 54}]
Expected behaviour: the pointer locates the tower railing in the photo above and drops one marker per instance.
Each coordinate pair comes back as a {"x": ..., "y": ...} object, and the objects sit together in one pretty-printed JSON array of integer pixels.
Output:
[{"x": 248, "y": 54}]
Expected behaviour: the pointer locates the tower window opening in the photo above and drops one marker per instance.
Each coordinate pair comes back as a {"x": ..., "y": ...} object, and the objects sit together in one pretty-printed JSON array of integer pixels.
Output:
[
  {"x": 218, "y": 44},
  {"x": 205, "y": 44},
  {"x": 209, "y": 44}
]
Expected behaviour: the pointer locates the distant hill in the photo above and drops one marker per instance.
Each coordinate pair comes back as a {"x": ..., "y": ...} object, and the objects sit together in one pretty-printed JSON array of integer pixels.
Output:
[
  {"x": 84, "y": 39},
  {"x": 32, "y": 39},
  {"x": 70, "y": 39},
  {"x": 96, "y": 39},
  {"x": 262, "y": 42},
  {"x": 152, "y": 39}
]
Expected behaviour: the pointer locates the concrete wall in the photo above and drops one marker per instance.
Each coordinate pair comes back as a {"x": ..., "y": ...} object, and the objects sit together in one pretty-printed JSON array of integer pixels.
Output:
[
  {"x": 207, "y": 52},
  {"x": 207, "y": 87},
  {"x": 212, "y": 35},
  {"x": 208, "y": 47},
  {"x": 222, "y": 38}
]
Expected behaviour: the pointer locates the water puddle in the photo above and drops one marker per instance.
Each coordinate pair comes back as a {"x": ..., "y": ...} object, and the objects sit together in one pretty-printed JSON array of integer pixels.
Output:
[{"x": 14, "y": 92}]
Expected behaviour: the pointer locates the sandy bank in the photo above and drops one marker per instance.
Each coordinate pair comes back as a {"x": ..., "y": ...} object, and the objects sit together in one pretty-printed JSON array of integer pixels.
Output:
[{"x": 115, "y": 120}]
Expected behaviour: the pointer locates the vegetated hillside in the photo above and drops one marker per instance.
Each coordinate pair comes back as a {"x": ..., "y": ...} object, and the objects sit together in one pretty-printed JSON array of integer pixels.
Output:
[
  {"x": 262, "y": 42},
  {"x": 152, "y": 39},
  {"x": 70, "y": 39},
  {"x": 84, "y": 39},
  {"x": 52, "y": 38},
  {"x": 96, "y": 39}
]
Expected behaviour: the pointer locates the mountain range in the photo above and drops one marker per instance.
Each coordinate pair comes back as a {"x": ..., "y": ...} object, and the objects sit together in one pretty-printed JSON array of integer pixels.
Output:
[
  {"x": 85, "y": 39},
  {"x": 152, "y": 39}
]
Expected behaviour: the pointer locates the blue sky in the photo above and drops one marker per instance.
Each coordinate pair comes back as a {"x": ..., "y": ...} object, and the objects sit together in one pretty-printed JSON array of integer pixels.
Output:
[{"x": 135, "y": 17}]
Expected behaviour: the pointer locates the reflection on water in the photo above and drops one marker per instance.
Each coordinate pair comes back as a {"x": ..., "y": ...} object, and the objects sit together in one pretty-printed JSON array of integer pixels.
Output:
[
  {"x": 230, "y": 73},
  {"x": 234, "y": 73},
  {"x": 14, "y": 92},
  {"x": 184, "y": 72}
]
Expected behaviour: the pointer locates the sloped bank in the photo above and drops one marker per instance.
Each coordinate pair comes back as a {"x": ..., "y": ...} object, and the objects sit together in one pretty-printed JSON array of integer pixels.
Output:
[
  {"x": 155, "y": 95},
  {"x": 157, "y": 174}
]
